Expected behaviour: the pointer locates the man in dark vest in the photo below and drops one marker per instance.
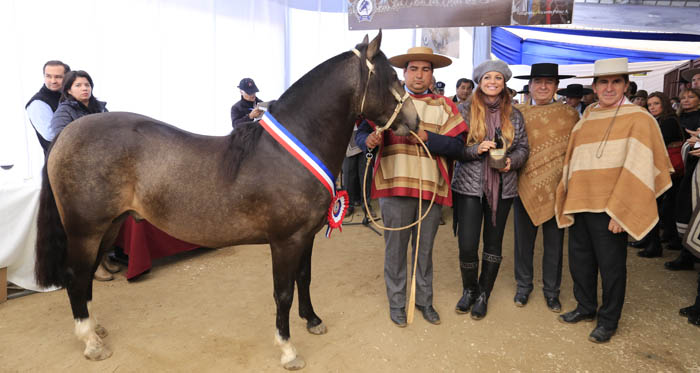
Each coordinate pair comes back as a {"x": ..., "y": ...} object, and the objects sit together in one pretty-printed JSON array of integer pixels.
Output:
[{"x": 42, "y": 105}]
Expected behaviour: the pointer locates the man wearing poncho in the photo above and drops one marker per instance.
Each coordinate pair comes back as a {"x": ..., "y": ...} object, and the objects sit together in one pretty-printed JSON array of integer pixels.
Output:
[{"x": 616, "y": 165}]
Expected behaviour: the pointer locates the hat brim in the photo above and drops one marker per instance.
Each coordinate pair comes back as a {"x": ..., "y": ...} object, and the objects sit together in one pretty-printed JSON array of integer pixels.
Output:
[
  {"x": 689, "y": 74},
  {"x": 613, "y": 73},
  {"x": 565, "y": 93},
  {"x": 436, "y": 60},
  {"x": 559, "y": 77}
]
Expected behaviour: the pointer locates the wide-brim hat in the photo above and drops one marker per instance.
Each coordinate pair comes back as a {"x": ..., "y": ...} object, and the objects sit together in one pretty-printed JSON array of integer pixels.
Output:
[
  {"x": 641, "y": 93},
  {"x": 420, "y": 54},
  {"x": 612, "y": 66},
  {"x": 689, "y": 74},
  {"x": 526, "y": 89},
  {"x": 574, "y": 90},
  {"x": 544, "y": 70}
]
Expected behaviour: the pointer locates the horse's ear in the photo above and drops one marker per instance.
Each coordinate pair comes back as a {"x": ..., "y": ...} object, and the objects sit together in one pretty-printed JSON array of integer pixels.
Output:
[
  {"x": 373, "y": 48},
  {"x": 365, "y": 40}
]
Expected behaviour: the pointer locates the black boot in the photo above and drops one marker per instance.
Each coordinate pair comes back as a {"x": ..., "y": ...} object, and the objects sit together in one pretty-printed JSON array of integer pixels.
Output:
[
  {"x": 653, "y": 248},
  {"x": 684, "y": 262},
  {"x": 470, "y": 286},
  {"x": 641, "y": 243},
  {"x": 489, "y": 271}
]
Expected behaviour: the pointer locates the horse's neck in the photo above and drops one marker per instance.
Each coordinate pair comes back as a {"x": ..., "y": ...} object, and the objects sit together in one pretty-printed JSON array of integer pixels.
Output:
[{"x": 321, "y": 117}]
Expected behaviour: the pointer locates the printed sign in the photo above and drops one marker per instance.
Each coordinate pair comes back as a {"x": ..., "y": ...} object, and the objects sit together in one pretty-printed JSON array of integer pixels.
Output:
[{"x": 388, "y": 14}]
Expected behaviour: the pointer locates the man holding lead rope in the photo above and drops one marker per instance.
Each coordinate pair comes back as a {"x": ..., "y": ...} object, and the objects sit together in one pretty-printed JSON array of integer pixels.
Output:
[{"x": 400, "y": 168}]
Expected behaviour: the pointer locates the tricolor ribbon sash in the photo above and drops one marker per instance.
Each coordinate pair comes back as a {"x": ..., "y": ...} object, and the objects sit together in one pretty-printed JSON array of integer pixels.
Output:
[{"x": 339, "y": 205}]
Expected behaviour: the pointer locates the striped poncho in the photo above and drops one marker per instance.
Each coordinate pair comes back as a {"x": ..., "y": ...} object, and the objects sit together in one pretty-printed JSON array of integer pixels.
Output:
[
  {"x": 397, "y": 171},
  {"x": 621, "y": 176}
]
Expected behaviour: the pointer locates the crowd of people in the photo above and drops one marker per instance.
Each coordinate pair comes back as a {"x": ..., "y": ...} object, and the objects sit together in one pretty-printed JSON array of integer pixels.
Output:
[
  {"x": 573, "y": 161},
  {"x": 607, "y": 161}
]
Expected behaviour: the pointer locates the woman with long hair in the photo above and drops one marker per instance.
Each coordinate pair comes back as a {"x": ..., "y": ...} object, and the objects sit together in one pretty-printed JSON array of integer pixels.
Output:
[
  {"x": 77, "y": 101},
  {"x": 659, "y": 105},
  {"x": 690, "y": 121},
  {"x": 484, "y": 189}
]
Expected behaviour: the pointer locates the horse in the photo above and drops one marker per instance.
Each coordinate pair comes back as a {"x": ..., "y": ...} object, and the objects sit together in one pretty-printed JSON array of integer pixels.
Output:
[{"x": 213, "y": 191}]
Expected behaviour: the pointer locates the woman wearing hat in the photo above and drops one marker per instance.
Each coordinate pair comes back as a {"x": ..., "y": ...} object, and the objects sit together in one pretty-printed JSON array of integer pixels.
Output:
[
  {"x": 608, "y": 191},
  {"x": 482, "y": 192}
]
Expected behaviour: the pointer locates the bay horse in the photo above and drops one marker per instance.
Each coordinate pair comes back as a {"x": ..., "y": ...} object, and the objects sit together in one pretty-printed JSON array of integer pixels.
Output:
[{"x": 244, "y": 188}]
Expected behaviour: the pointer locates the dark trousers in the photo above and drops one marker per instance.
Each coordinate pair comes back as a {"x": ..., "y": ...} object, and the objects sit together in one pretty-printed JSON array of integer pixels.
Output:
[
  {"x": 593, "y": 248},
  {"x": 553, "y": 240},
  {"x": 667, "y": 213},
  {"x": 353, "y": 174},
  {"x": 471, "y": 211}
]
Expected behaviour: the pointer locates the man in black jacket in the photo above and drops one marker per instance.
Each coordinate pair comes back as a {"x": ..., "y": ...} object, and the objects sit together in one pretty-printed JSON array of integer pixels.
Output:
[{"x": 246, "y": 109}]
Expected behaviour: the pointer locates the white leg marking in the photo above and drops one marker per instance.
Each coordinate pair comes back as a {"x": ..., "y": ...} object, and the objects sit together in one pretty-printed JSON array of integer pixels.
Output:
[
  {"x": 94, "y": 347},
  {"x": 289, "y": 353}
]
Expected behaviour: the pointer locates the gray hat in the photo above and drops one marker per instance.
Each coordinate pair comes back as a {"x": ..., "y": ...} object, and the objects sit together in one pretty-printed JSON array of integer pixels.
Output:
[{"x": 492, "y": 65}]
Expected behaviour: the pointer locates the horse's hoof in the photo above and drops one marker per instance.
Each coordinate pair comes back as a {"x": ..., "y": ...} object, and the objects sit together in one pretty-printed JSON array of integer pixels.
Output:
[
  {"x": 101, "y": 331},
  {"x": 296, "y": 364},
  {"x": 318, "y": 329},
  {"x": 97, "y": 353}
]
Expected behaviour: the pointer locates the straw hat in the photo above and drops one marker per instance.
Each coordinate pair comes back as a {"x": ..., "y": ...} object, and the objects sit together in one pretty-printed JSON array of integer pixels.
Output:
[
  {"x": 689, "y": 74},
  {"x": 612, "y": 66},
  {"x": 420, "y": 54}
]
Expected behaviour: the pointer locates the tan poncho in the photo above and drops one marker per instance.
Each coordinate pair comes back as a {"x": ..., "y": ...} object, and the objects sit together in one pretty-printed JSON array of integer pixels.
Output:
[
  {"x": 548, "y": 128},
  {"x": 622, "y": 176}
]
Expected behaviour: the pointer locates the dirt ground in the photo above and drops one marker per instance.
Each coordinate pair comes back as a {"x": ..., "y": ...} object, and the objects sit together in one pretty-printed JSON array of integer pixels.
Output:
[{"x": 212, "y": 310}]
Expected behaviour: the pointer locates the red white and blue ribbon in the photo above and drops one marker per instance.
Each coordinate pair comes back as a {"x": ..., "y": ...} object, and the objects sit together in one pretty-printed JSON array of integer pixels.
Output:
[{"x": 339, "y": 201}]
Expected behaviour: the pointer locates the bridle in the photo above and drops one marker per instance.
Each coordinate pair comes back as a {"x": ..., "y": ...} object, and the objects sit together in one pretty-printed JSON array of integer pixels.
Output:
[{"x": 400, "y": 99}]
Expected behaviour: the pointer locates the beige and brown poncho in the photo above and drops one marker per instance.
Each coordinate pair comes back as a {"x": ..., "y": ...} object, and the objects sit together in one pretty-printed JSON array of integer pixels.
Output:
[
  {"x": 622, "y": 176},
  {"x": 548, "y": 128}
]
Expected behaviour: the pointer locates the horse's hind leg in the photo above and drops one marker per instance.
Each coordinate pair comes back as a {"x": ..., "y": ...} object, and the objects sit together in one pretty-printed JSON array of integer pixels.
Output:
[
  {"x": 82, "y": 262},
  {"x": 313, "y": 323},
  {"x": 106, "y": 244},
  {"x": 285, "y": 264}
]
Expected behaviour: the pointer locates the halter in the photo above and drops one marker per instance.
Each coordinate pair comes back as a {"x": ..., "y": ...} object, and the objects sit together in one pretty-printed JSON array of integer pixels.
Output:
[{"x": 400, "y": 99}]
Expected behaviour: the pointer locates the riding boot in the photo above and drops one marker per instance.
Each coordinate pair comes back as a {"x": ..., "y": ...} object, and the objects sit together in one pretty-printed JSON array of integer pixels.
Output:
[
  {"x": 470, "y": 286},
  {"x": 489, "y": 271},
  {"x": 684, "y": 262}
]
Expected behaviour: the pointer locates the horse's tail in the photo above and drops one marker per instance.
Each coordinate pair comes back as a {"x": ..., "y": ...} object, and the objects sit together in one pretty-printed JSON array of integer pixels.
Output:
[{"x": 51, "y": 241}]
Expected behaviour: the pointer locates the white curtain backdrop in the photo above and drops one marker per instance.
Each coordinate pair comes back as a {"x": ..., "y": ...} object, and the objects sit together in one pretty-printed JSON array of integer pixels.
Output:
[{"x": 178, "y": 61}]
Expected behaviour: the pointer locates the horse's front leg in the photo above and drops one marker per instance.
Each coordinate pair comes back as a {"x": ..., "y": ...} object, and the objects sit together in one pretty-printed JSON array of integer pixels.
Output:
[
  {"x": 313, "y": 323},
  {"x": 285, "y": 264}
]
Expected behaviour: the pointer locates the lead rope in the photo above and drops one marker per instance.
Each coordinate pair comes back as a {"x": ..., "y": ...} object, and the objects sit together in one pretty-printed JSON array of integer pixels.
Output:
[{"x": 401, "y": 99}]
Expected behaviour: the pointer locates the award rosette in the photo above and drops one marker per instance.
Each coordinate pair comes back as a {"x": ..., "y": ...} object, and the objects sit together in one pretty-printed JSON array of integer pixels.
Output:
[{"x": 336, "y": 212}]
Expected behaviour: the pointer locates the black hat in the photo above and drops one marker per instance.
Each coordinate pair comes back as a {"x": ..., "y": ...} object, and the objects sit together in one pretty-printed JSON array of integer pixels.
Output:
[
  {"x": 641, "y": 93},
  {"x": 574, "y": 90},
  {"x": 544, "y": 70},
  {"x": 248, "y": 86},
  {"x": 526, "y": 89},
  {"x": 440, "y": 85}
]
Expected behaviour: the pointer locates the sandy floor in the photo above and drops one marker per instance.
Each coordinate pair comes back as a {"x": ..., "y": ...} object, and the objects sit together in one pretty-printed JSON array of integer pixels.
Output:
[{"x": 212, "y": 310}]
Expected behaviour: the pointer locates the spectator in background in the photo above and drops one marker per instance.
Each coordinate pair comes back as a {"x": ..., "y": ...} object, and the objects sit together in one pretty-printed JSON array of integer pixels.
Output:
[
  {"x": 692, "y": 76},
  {"x": 526, "y": 94},
  {"x": 631, "y": 90},
  {"x": 78, "y": 101},
  {"x": 690, "y": 109},
  {"x": 675, "y": 103},
  {"x": 590, "y": 97},
  {"x": 246, "y": 109},
  {"x": 640, "y": 98},
  {"x": 464, "y": 90},
  {"x": 660, "y": 108},
  {"x": 574, "y": 96},
  {"x": 44, "y": 103},
  {"x": 440, "y": 88}
]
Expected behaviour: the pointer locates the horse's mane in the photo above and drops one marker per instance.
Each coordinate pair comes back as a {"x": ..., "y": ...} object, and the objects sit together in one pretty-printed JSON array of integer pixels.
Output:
[{"x": 241, "y": 143}]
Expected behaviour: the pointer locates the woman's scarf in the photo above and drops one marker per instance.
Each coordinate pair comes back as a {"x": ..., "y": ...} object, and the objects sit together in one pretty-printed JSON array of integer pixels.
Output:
[{"x": 492, "y": 178}]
